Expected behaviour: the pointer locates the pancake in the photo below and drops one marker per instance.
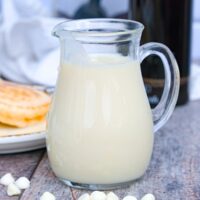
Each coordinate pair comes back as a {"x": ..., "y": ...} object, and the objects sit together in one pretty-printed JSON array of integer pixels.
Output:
[
  {"x": 9, "y": 131},
  {"x": 21, "y": 106}
]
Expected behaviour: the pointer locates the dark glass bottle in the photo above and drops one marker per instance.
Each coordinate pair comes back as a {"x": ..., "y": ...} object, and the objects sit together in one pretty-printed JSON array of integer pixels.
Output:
[
  {"x": 92, "y": 9},
  {"x": 168, "y": 22}
]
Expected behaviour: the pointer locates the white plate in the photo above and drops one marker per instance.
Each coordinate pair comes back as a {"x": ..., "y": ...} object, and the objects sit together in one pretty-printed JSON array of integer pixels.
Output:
[
  {"x": 14, "y": 140},
  {"x": 21, "y": 143}
]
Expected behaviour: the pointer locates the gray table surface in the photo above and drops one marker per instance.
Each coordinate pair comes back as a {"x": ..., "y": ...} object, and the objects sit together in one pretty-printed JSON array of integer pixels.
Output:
[{"x": 173, "y": 174}]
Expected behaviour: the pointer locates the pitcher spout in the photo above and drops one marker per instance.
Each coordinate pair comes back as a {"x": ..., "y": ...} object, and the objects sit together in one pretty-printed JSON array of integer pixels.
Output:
[{"x": 59, "y": 30}]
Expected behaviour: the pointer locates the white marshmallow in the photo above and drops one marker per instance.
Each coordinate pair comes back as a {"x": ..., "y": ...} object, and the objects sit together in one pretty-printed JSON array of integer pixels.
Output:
[
  {"x": 7, "y": 179},
  {"x": 96, "y": 195},
  {"x": 13, "y": 190},
  {"x": 112, "y": 196},
  {"x": 148, "y": 197},
  {"x": 129, "y": 198},
  {"x": 22, "y": 183},
  {"x": 85, "y": 196},
  {"x": 47, "y": 196}
]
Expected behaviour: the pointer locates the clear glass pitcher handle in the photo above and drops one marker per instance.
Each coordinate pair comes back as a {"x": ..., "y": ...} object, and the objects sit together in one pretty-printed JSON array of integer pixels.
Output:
[{"x": 165, "y": 107}]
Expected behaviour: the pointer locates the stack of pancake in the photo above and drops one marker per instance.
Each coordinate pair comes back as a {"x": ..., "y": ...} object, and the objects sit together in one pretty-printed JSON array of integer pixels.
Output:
[{"x": 22, "y": 106}]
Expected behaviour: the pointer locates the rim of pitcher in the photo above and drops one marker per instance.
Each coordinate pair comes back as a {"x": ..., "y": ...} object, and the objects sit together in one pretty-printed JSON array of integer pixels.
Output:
[{"x": 74, "y": 27}]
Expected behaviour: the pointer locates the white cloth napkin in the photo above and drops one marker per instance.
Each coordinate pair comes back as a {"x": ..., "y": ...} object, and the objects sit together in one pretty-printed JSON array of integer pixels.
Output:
[{"x": 29, "y": 54}]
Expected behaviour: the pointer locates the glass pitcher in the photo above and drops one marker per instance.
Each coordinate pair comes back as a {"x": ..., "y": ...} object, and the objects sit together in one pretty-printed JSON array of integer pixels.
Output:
[{"x": 100, "y": 125}]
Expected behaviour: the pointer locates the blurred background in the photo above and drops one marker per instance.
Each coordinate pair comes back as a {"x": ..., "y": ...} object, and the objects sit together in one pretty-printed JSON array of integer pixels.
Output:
[
  {"x": 116, "y": 8},
  {"x": 30, "y": 55}
]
